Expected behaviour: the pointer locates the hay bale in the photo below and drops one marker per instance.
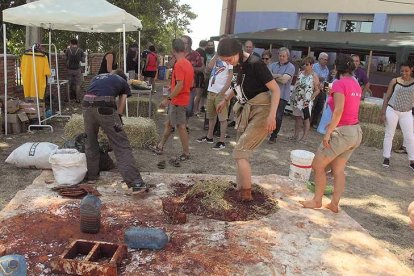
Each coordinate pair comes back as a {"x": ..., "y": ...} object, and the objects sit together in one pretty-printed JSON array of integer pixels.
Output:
[
  {"x": 373, "y": 136},
  {"x": 143, "y": 107},
  {"x": 140, "y": 131},
  {"x": 370, "y": 113}
]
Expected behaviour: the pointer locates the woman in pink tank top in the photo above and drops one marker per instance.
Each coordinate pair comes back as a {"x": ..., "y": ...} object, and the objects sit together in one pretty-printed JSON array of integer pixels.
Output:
[{"x": 343, "y": 135}]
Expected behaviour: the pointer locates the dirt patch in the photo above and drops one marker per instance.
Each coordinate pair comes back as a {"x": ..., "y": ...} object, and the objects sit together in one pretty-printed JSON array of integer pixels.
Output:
[{"x": 218, "y": 200}]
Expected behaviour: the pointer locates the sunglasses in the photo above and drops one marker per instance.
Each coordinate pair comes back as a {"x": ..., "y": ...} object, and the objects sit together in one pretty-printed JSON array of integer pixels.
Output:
[
  {"x": 305, "y": 64},
  {"x": 265, "y": 58}
]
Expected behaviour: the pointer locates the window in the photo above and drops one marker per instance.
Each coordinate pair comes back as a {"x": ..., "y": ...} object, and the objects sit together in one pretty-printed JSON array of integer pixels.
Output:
[
  {"x": 313, "y": 21},
  {"x": 361, "y": 23},
  {"x": 357, "y": 26},
  {"x": 316, "y": 24}
]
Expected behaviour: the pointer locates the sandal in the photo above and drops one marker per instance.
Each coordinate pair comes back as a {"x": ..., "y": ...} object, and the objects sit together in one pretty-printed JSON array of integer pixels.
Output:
[
  {"x": 161, "y": 164},
  {"x": 184, "y": 157},
  {"x": 157, "y": 150},
  {"x": 175, "y": 162}
]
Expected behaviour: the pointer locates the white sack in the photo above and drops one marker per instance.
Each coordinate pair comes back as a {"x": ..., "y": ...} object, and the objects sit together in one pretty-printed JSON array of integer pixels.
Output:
[
  {"x": 34, "y": 155},
  {"x": 68, "y": 165}
]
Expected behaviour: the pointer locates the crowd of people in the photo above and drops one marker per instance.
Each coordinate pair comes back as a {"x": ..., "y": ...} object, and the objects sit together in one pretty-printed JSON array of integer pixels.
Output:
[{"x": 236, "y": 82}]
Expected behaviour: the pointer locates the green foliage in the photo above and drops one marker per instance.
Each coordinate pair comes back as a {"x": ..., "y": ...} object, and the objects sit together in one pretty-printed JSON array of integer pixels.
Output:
[{"x": 162, "y": 21}]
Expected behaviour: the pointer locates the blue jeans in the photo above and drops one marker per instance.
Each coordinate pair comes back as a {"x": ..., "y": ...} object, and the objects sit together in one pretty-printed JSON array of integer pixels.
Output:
[{"x": 279, "y": 117}]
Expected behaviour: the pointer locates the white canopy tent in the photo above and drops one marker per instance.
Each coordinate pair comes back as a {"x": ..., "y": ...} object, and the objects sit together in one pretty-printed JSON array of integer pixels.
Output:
[{"x": 74, "y": 15}]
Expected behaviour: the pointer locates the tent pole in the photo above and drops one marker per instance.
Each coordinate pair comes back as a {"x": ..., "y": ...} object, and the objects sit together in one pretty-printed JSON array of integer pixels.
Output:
[
  {"x": 309, "y": 50},
  {"x": 126, "y": 73},
  {"x": 369, "y": 63},
  {"x": 50, "y": 61},
  {"x": 139, "y": 54},
  {"x": 5, "y": 77}
]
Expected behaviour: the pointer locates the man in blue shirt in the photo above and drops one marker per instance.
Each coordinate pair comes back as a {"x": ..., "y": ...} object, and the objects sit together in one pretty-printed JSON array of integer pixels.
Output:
[
  {"x": 321, "y": 69},
  {"x": 101, "y": 111},
  {"x": 283, "y": 72}
]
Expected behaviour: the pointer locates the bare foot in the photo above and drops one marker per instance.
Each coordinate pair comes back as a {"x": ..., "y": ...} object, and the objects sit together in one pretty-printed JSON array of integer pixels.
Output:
[
  {"x": 412, "y": 226},
  {"x": 332, "y": 207},
  {"x": 310, "y": 204}
]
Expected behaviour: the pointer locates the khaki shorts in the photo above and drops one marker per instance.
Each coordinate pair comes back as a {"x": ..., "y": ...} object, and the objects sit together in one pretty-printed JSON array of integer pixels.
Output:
[
  {"x": 176, "y": 114},
  {"x": 254, "y": 134},
  {"x": 344, "y": 140},
  {"x": 213, "y": 99}
]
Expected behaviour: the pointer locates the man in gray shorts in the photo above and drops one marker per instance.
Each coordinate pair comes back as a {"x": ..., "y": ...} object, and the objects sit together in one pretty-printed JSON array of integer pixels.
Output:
[{"x": 178, "y": 100}]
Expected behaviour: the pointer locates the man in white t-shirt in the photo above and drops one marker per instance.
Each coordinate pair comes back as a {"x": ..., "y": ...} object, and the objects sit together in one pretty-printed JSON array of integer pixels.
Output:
[{"x": 219, "y": 83}]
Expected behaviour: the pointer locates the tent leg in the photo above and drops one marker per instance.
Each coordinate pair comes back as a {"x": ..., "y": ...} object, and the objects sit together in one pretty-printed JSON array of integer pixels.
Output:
[
  {"x": 126, "y": 73},
  {"x": 50, "y": 61},
  {"x": 139, "y": 54},
  {"x": 5, "y": 77},
  {"x": 369, "y": 63}
]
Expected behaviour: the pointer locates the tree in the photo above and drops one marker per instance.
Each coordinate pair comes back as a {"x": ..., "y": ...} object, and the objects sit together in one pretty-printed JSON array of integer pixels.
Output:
[{"x": 161, "y": 19}]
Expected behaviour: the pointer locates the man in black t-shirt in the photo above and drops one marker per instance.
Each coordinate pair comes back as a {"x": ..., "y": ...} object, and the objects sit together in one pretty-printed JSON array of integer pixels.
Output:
[
  {"x": 100, "y": 111},
  {"x": 74, "y": 56}
]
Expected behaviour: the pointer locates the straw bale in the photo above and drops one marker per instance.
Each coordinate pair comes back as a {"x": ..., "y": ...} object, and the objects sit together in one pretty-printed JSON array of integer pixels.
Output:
[
  {"x": 140, "y": 131},
  {"x": 369, "y": 113},
  {"x": 373, "y": 136},
  {"x": 143, "y": 107}
]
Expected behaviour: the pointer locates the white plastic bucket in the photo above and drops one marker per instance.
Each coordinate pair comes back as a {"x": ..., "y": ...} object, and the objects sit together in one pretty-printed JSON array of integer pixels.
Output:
[
  {"x": 68, "y": 165},
  {"x": 300, "y": 164}
]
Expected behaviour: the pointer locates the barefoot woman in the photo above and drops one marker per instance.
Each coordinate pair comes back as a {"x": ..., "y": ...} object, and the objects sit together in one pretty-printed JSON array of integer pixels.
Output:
[{"x": 343, "y": 134}]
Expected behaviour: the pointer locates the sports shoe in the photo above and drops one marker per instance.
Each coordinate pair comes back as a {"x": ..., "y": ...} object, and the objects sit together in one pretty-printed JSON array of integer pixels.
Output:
[
  {"x": 218, "y": 135},
  {"x": 205, "y": 139},
  {"x": 138, "y": 186},
  {"x": 231, "y": 124},
  {"x": 219, "y": 146},
  {"x": 402, "y": 150},
  {"x": 386, "y": 163},
  {"x": 412, "y": 166},
  {"x": 272, "y": 140}
]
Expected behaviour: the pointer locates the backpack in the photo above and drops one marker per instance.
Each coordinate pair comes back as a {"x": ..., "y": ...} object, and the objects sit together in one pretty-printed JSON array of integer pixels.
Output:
[{"x": 73, "y": 59}]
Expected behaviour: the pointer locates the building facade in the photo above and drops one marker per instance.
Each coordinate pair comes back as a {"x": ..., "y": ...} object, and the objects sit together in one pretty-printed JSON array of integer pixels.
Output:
[{"x": 369, "y": 16}]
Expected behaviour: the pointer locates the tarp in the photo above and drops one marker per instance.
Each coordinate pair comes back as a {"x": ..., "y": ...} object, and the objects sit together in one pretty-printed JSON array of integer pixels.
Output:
[
  {"x": 340, "y": 40},
  {"x": 95, "y": 16}
]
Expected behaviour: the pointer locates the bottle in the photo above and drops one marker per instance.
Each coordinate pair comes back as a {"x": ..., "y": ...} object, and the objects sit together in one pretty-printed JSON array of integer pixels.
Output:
[
  {"x": 90, "y": 214},
  {"x": 13, "y": 265},
  {"x": 145, "y": 238}
]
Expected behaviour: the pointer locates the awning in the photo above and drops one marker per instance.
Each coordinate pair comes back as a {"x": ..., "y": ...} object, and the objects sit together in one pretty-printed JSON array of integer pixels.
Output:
[
  {"x": 97, "y": 16},
  {"x": 391, "y": 42}
]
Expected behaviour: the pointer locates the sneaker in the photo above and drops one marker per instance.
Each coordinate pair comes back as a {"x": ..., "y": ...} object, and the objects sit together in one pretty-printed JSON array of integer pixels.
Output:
[
  {"x": 402, "y": 150},
  {"x": 205, "y": 139},
  {"x": 272, "y": 140},
  {"x": 386, "y": 163},
  {"x": 203, "y": 109},
  {"x": 138, "y": 186},
  {"x": 412, "y": 166},
  {"x": 231, "y": 124},
  {"x": 217, "y": 135},
  {"x": 219, "y": 146}
]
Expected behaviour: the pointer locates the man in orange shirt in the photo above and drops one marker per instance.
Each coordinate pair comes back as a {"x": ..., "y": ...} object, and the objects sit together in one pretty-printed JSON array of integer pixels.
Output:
[{"x": 178, "y": 100}]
